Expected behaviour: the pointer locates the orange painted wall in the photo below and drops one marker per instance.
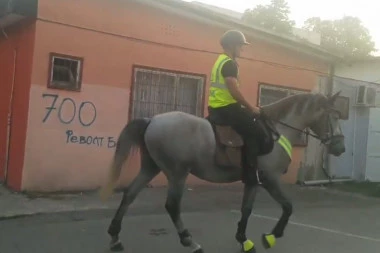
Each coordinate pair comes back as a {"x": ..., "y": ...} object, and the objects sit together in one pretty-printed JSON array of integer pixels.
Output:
[
  {"x": 16, "y": 53},
  {"x": 112, "y": 37}
]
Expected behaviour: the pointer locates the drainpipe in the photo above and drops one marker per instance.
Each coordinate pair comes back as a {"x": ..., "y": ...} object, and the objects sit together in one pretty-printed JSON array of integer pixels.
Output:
[
  {"x": 330, "y": 82},
  {"x": 330, "y": 87},
  {"x": 325, "y": 181}
]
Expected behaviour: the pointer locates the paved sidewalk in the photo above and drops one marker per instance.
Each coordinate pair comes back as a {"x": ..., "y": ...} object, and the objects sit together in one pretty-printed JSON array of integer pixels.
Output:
[{"x": 14, "y": 204}]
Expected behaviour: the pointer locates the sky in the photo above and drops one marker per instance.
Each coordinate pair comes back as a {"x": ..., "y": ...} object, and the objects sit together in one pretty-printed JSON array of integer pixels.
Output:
[{"x": 366, "y": 10}]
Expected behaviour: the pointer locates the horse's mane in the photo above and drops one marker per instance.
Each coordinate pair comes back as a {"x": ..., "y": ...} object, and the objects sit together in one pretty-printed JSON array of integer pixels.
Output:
[{"x": 279, "y": 109}]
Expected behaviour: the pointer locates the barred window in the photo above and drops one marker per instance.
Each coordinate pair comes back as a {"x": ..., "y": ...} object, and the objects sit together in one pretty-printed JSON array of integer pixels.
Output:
[
  {"x": 65, "y": 72},
  {"x": 157, "y": 91}
]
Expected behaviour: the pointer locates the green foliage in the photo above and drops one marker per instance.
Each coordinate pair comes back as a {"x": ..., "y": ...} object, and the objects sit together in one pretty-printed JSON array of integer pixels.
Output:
[
  {"x": 346, "y": 36},
  {"x": 274, "y": 16}
]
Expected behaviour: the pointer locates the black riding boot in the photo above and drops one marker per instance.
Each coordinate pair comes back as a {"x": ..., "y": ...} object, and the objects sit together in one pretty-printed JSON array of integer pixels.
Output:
[
  {"x": 250, "y": 170},
  {"x": 251, "y": 175}
]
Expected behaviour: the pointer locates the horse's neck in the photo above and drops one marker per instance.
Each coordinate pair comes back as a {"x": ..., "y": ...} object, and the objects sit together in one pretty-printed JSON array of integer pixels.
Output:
[{"x": 294, "y": 121}]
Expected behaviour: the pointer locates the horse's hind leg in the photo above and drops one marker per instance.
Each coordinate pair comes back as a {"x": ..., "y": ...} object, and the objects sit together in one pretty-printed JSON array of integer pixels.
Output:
[
  {"x": 148, "y": 171},
  {"x": 273, "y": 187},
  {"x": 173, "y": 206}
]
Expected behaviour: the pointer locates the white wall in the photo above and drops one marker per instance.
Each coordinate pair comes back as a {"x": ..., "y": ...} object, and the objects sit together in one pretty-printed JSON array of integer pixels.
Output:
[{"x": 368, "y": 71}]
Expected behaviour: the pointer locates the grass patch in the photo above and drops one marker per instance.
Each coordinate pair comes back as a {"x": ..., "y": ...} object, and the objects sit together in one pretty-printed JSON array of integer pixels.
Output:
[{"x": 371, "y": 189}]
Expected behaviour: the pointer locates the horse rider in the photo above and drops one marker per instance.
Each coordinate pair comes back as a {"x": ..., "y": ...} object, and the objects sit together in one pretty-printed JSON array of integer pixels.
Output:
[{"x": 227, "y": 103}]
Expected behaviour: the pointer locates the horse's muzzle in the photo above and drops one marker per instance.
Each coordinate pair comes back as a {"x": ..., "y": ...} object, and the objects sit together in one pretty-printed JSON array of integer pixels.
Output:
[{"x": 337, "y": 146}]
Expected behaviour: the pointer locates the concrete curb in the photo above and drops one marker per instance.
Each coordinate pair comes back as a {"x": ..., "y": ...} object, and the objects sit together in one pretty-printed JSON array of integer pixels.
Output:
[{"x": 38, "y": 213}]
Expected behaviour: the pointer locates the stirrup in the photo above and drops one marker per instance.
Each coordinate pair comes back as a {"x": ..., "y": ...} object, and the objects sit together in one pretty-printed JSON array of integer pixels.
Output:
[{"x": 258, "y": 177}]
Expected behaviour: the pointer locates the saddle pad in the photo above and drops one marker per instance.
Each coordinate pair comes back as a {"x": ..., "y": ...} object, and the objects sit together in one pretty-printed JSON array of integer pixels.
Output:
[{"x": 286, "y": 145}]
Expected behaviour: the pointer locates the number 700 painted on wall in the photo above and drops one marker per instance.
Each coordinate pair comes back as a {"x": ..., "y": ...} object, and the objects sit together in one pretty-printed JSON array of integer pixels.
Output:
[{"x": 64, "y": 102}]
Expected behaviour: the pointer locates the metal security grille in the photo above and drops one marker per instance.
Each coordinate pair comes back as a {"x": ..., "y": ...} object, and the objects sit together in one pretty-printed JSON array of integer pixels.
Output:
[
  {"x": 270, "y": 94},
  {"x": 65, "y": 73},
  {"x": 156, "y": 92}
]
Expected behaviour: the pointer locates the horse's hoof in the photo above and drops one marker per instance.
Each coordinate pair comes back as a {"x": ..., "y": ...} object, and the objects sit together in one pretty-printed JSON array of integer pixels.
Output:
[
  {"x": 268, "y": 240},
  {"x": 200, "y": 250},
  {"x": 116, "y": 246},
  {"x": 249, "y": 247}
]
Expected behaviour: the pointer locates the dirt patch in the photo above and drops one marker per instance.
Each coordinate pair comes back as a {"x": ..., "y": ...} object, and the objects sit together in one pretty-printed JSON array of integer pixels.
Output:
[{"x": 370, "y": 189}]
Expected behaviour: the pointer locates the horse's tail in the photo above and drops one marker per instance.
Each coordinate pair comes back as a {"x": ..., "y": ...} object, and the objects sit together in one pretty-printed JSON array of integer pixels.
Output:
[{"x": 130, "y": 138}]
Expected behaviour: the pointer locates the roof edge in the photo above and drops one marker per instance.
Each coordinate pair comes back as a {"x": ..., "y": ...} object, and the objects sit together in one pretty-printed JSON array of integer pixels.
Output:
[{"x": 205, "y": 15}]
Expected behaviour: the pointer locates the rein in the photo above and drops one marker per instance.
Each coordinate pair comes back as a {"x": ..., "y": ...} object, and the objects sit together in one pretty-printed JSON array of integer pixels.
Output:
[{"x": 306, "y": 131}]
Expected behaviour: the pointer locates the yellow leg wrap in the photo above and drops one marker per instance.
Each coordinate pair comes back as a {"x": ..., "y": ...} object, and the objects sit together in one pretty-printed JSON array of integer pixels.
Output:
[
  {"x": 270, "y": 240},
  {"x": 248, "y": 245}
]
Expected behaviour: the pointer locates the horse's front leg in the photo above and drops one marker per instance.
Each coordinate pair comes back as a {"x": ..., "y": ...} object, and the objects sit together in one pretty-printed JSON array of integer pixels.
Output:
[
  {"x": 246, "y": 210},
  {"x": 273, "y": 186}
]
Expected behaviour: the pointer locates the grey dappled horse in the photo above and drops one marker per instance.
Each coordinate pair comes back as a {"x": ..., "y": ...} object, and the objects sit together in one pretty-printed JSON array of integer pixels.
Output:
[{"x": 179, "y": 144}]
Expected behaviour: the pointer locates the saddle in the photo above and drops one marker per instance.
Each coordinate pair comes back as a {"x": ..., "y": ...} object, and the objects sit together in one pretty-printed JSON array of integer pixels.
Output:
[{"x": 229, "y": 145}]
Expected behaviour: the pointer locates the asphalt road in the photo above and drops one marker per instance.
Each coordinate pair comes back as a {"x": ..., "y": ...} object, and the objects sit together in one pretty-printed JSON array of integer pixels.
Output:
[
  {"x": 85, "y": 232},
  {"x": 319, "y": 225}
]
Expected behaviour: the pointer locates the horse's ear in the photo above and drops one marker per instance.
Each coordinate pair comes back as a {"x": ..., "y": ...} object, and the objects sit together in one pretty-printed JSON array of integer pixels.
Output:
[{"x": 334, "y": 97}]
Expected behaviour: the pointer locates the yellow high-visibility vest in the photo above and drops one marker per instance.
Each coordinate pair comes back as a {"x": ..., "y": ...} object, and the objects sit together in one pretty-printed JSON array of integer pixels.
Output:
[{"x": 219, "y": 95}]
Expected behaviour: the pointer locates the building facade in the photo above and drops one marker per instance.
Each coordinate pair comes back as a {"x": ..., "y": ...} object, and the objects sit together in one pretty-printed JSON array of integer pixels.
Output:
[
  {"x": 366, "y": 69},
  {"x": 79, "y": 70},
  {"x": 359, "y": 81}
]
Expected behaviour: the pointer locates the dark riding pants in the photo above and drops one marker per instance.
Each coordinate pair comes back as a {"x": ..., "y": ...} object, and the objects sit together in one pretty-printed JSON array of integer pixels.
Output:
[{"x": 244, "y": 122}]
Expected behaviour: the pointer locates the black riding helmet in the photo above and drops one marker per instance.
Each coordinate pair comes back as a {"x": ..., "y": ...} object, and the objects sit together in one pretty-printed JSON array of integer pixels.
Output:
[{"x": 233, "y": 38}]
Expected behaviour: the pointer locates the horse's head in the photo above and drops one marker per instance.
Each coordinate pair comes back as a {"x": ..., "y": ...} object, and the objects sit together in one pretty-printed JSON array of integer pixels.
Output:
[
  {"x": 325, "y": 124},
  {"x": 314, "y": 111}
]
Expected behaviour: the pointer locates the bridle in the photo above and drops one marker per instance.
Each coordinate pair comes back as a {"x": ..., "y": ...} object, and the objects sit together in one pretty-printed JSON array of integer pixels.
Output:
[{"x": 324, "y": 140}]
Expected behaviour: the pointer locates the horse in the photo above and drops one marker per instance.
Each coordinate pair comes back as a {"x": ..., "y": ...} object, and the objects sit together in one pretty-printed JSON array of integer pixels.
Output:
[{"x": 179, "y": 144}]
